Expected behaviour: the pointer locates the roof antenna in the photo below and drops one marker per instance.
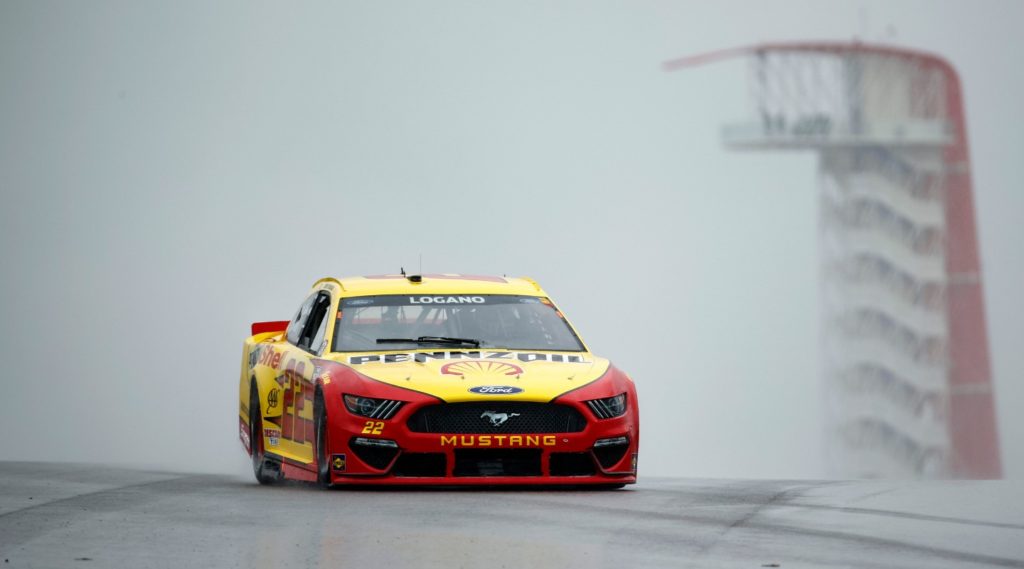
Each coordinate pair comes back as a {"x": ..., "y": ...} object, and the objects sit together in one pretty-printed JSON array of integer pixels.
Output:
[
  {"x": 421, "y": 263},
  {"x": 412, "y": 278}
]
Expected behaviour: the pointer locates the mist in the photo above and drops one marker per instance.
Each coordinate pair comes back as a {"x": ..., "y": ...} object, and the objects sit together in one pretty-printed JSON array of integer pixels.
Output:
[{"x": 172, "y": 172}]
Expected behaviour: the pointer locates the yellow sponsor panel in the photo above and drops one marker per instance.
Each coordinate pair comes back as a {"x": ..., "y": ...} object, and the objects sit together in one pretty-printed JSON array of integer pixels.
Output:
[
  {"x": 472, "y": 375},
  {"x": 437, "y": 284}
]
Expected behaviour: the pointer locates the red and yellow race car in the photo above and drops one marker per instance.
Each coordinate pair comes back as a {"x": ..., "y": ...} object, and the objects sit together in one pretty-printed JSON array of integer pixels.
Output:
[{"x": 433, "y": 379}]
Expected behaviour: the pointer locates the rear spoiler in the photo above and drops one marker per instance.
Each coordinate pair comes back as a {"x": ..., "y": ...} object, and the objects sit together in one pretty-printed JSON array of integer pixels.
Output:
[{"x": 264, "y": 327}]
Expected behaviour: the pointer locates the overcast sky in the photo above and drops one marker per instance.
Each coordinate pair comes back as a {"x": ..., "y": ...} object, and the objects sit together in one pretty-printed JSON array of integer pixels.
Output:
[{"x": 171, "y": 172}]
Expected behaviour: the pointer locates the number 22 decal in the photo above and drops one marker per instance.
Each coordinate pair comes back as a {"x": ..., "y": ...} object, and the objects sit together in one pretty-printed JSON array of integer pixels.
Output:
[{"x": 373, "y": 427}]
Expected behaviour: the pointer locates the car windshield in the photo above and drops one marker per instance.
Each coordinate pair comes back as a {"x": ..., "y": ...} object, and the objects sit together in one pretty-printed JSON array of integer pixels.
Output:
[{"x": 401, "y": 322}]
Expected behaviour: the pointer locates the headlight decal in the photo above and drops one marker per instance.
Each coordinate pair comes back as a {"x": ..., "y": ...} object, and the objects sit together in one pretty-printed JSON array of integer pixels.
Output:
[
  {"x": 370, "y": 407},
  {"x": 608, "y": 407}
]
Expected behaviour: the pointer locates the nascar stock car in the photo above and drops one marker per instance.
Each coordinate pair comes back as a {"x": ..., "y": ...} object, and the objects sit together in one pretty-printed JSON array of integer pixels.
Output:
[{"x": 433, "y": 379}]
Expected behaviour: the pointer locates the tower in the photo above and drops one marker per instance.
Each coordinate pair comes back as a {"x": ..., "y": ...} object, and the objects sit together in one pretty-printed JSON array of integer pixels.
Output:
[{"x": 905, "y": 360}]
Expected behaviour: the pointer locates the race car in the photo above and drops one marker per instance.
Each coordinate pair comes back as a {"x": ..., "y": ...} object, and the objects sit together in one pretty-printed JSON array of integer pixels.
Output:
[{"x": 433, "y": 380}]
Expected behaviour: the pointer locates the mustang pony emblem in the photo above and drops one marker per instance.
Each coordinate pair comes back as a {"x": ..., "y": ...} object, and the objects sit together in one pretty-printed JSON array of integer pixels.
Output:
[{"x": 498, "y": 419}]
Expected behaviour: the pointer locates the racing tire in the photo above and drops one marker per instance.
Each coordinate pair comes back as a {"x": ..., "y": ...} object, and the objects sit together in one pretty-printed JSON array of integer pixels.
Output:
[
  {"x": 265, "y": 470},
  {"x": 322, "y": 441}
]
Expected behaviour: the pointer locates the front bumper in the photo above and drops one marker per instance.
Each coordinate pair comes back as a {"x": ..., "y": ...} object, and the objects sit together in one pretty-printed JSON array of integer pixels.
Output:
[{"x": 494, "y": 458}]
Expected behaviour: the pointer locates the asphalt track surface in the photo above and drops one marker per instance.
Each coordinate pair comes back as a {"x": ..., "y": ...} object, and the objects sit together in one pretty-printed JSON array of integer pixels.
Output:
[{"x": 65, "y": 515}]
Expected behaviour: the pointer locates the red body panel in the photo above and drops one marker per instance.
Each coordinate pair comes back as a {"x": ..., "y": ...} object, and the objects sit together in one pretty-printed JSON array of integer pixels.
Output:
[{"x": 343, "y": 426}]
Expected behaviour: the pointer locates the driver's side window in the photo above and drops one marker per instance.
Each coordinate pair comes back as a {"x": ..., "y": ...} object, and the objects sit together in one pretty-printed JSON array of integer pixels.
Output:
[
  {"x": 318, "y": 327},
  {"x": 298, "y": 323},
  {"x": 307, "y": 329}
]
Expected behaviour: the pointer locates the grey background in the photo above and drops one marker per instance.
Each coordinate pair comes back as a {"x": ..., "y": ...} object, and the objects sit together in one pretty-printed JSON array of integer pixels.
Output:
[{"x": 171, "y": 172}]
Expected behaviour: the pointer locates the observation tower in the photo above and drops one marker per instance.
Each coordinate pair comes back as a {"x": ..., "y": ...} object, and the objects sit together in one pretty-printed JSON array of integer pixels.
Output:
[{"x": 905, "y": 360}]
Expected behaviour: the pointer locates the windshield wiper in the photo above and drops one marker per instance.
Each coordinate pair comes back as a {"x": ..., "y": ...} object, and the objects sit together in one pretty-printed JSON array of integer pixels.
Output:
[{"x": 431, "y": 340}]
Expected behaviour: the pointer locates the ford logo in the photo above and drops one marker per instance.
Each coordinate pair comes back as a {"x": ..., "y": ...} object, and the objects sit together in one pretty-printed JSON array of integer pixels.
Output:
[{"x": 495, "y": 390}]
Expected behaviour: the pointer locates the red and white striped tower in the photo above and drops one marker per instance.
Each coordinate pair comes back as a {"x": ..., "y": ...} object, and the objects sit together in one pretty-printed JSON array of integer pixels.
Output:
[{"x": 905, "y": 351}]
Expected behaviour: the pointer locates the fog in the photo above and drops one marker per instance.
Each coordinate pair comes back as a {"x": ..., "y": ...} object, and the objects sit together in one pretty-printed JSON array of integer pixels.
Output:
[{"x": 172, "y": 172}]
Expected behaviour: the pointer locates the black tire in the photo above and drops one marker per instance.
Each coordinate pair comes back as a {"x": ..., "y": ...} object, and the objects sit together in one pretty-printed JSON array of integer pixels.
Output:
[
  {"x": 265, "y": 470},
  {"x": 323, "y": 466}
]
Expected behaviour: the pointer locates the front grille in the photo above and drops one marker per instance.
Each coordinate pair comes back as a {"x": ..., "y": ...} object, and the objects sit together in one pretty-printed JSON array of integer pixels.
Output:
[
  {"x": 497, "y": 417},
  {"x": 418, "y": 464},
  {"x": 497, "y": 462},
  {"x": 572, "y": 464}
]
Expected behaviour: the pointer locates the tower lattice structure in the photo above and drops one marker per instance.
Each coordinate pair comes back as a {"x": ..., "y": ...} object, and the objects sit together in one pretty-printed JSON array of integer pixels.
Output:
[{"x": 905, "y": 360}]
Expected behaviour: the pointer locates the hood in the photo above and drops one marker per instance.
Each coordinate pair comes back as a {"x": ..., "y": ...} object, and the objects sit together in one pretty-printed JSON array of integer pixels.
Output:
[{"x": 472, "y": 375}]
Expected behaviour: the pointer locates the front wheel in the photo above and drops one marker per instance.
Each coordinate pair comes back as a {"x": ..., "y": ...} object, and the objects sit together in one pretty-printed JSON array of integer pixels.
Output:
[{"x": 323, "y": 466}]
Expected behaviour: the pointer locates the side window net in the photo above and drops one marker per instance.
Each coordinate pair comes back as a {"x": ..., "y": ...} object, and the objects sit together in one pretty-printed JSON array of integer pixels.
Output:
[
  {"x": 313, "y": 335},
  {"x": 295, "y": 329}
]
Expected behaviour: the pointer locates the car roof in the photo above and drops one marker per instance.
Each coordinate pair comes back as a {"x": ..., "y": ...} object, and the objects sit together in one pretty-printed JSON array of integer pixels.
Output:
[{"x": 429, "y": 284}]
